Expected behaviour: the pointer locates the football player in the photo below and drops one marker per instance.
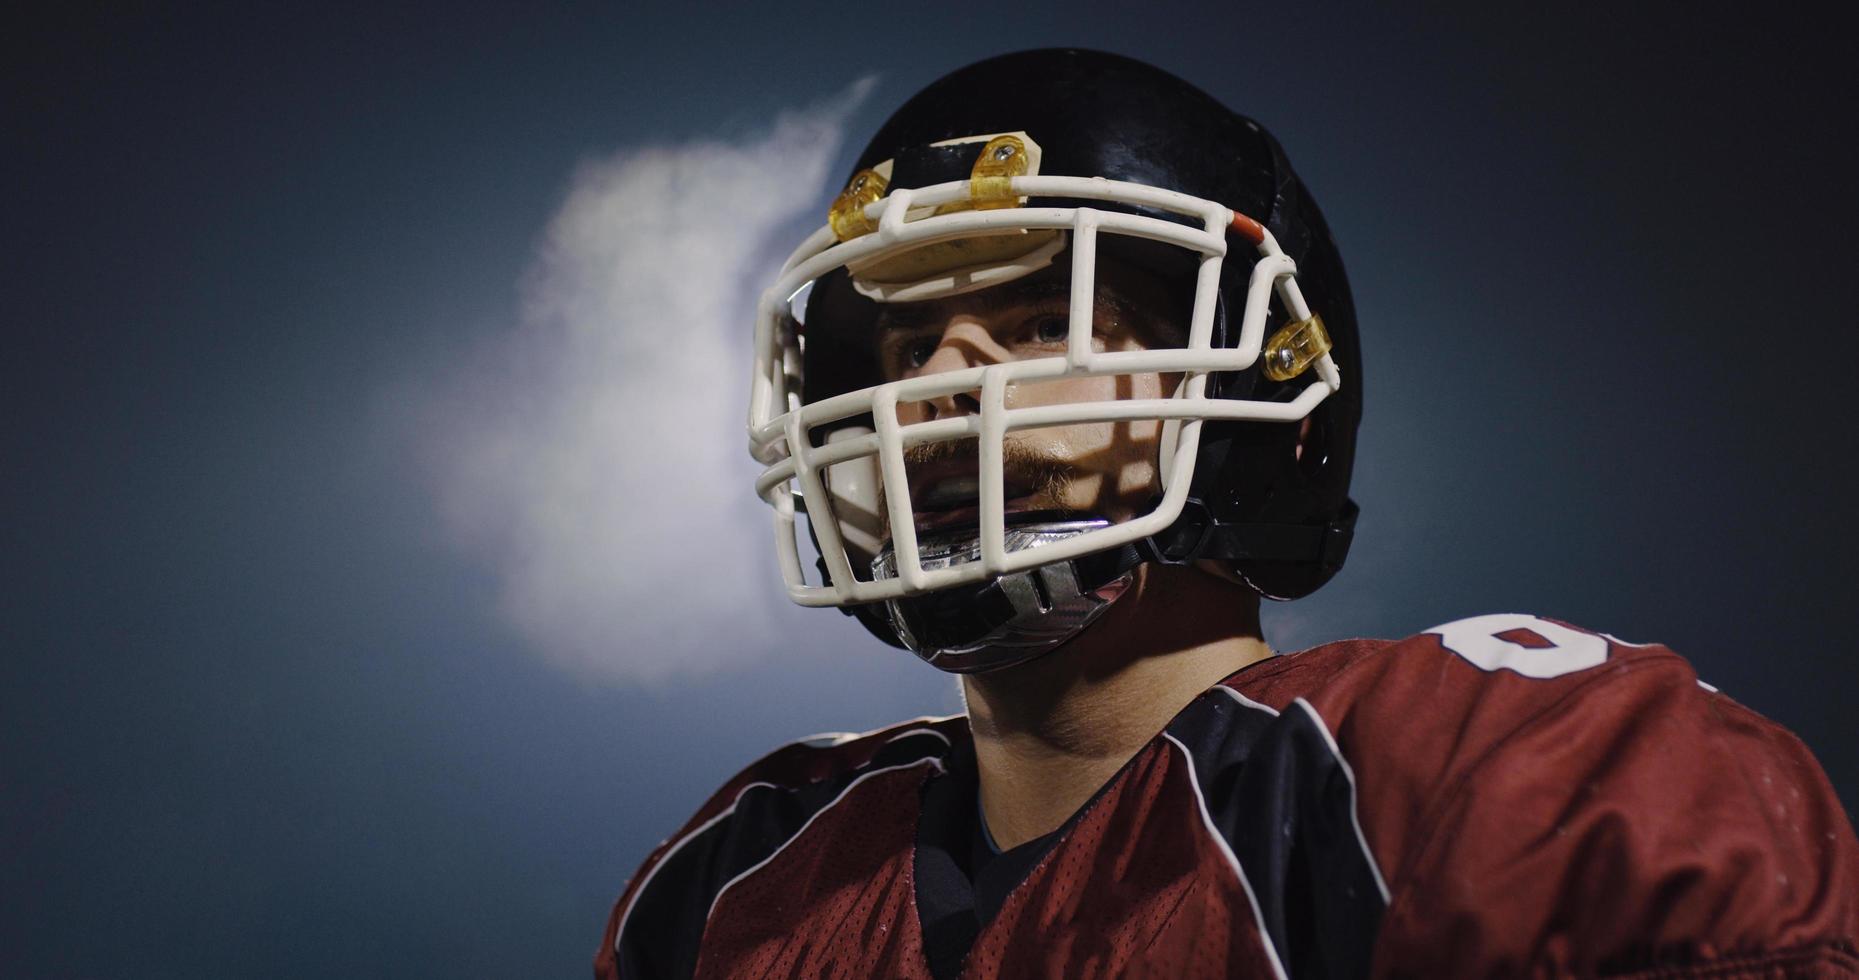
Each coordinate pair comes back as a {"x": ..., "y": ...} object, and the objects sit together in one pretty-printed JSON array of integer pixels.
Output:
[{"x": 1068, "y": 380}]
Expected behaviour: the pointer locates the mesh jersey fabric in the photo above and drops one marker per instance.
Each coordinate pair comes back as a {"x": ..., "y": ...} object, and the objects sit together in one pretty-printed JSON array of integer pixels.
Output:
[{"x": 1539, "y": 800}]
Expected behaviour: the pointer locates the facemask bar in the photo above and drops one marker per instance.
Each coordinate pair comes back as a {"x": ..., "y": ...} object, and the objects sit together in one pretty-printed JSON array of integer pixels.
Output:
[{"x": 779, "y": 425}]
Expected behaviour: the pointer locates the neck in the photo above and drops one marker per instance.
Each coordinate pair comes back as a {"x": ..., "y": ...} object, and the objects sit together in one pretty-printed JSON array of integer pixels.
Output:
[{"x": 1049, "y": 733}]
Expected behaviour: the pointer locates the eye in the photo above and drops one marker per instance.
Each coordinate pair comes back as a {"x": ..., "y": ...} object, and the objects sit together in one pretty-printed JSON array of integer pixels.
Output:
[
  {"x": 919, "y": 350},
  {"x": 1052, "y": 329}
]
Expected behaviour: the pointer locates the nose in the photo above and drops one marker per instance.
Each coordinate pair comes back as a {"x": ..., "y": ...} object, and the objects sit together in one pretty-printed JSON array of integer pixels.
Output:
[{"x": 965, "y": 343}]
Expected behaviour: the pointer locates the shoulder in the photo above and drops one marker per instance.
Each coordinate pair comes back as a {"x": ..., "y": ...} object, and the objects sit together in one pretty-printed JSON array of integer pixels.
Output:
[
  {"x": 1443, "y": 710},
  {"x": 1437, "y": 703},
  {"x": 1447, "y": 710},
  {"x": 654, "y": 927},
  {"x": 1560, "y": 792},
  {"x": 831, "y": 759},
  {"x": 1516, "y": 657}
]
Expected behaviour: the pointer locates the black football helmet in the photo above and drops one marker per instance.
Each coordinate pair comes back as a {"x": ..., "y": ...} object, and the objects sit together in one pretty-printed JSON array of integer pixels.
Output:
[{"x": 998, "y": 170}]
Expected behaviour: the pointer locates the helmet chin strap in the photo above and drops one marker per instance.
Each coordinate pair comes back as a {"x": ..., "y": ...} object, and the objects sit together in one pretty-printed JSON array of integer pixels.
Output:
[{"x": 1012, "y": 618}]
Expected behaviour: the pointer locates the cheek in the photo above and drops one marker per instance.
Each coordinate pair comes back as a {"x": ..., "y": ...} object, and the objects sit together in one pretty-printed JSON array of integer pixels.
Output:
[
  {"x": 1064, "y": 391},
  {"x": 1111, "y": 444}
]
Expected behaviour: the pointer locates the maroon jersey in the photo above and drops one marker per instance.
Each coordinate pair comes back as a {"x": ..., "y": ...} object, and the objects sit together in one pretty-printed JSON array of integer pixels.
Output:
[{"x": 1503, "y": 795}]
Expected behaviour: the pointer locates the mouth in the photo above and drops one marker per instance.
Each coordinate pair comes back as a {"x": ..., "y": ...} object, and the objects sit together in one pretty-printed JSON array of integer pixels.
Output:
[{"x": 952, "y": 498}]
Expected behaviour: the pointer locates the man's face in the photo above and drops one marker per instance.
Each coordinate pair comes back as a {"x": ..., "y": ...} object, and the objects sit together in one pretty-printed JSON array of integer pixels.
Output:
[{"x": 1103, "y": 468}]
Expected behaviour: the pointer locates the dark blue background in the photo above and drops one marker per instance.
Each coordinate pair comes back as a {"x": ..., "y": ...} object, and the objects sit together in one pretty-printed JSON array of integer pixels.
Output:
[{"x": 258, "y": 717}]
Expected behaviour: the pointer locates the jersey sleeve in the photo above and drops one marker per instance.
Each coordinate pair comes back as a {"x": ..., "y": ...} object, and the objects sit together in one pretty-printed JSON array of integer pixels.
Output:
[
  {"x": 657, "y": 927},
  {"x": 1629, "y": 821},
  {"x": 674, "y": 913}
]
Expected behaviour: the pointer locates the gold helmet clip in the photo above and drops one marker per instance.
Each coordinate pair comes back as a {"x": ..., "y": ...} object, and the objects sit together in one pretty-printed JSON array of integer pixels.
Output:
[
  {"x": 847, "y": 215},
  {"x": 1291, "y": 350}
]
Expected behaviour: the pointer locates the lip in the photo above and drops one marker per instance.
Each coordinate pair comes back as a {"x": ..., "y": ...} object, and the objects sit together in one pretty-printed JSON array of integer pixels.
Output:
[
  {"x": 937, "y": 520},
  {"x": 922, "y": 477},
  {"x": 929, "y": 480}
]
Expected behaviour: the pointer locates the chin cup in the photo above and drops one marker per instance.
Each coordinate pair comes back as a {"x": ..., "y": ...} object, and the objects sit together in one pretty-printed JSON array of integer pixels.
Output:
[{"x": 1015, "y": 617}]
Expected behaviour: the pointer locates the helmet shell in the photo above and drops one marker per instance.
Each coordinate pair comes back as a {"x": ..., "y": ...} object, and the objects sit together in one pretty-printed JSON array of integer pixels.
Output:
[{"x": 1095, "y": 114}]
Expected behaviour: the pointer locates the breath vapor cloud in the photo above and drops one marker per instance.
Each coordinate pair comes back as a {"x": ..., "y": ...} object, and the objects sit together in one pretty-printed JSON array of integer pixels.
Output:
[{"x": 596, "y": 457}]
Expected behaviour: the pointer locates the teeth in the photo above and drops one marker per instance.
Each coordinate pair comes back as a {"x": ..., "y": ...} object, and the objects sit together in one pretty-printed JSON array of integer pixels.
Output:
[{"x": 949, "y": 492}]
